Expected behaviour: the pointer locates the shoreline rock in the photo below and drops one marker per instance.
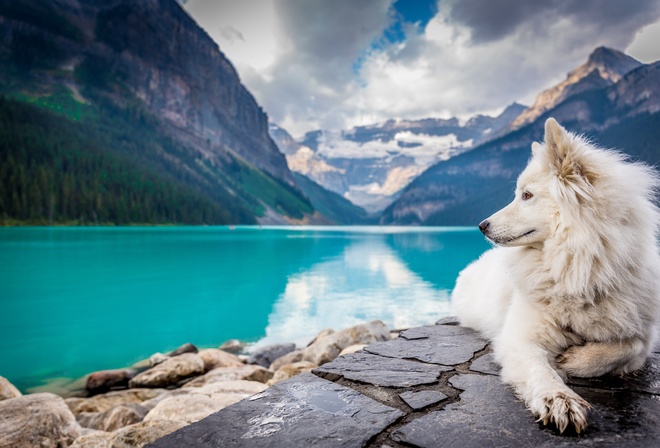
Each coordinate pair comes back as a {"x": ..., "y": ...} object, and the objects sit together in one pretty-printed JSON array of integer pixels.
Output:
[{"x": 136, "y": 405}]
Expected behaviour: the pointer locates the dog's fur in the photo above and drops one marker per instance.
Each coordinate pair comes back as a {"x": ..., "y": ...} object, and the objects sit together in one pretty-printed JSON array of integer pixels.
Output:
[{"x": 575, "y": 289}]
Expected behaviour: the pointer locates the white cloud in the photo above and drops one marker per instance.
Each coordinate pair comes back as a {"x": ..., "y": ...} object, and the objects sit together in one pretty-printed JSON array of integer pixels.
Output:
[{"x": 313, "y": 64}]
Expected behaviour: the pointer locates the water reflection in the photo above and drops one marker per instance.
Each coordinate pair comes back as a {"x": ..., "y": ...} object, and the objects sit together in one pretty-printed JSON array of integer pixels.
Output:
[{"x": 372, "y": 279}]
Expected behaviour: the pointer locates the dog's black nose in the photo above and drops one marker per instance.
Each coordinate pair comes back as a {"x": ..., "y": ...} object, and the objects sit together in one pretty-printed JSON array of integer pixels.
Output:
[{"x": 483, "y": 226}]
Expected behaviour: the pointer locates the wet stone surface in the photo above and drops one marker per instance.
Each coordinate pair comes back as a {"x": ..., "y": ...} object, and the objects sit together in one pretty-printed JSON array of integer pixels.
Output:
[
  {"x": 381, "y": 371},
  {"x": 434, "y": 386}
]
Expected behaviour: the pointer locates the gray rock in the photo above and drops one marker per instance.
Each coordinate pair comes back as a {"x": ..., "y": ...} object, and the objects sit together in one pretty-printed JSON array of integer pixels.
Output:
[
  {"x": 485, "y": 364},
  {"x": 266, "y": 355},
  {"x": 37, "y": 420},
  {"x": 7, "y": 389},
  {"x": 170, "y": 371},
  {"x": 303, "y": 411},
  {"x": 105, "y": 380},
  {"x": 438, "y": 344},
  {"x": 327, "y": 347},
  {"x": 424, "y": 398},
  {"x": 114, "y": 418},
  {"x": 381, "y": 371},
  {"x": 450, "y": 320},
  {"x": 185, "y": 348}
]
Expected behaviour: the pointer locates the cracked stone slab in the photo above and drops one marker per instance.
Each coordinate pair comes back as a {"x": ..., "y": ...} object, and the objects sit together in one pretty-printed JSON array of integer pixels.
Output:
[
  {"x": 485, "y": 364},
  {"x": 495, "y": 417},
  {"x": 303, "y": 411},
  {"x": 645, "y": 380},
  {"x": 381, "y": 371},
  {"x": 437, "y": 344},
  {"x": 420, "y": 400}
]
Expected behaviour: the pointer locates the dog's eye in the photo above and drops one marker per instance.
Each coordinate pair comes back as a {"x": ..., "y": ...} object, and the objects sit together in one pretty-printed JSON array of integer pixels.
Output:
[{"x": 527, "y": 195}]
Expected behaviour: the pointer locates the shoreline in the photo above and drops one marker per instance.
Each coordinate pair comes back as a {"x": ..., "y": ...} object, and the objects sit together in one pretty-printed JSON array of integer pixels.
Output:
[{"x": 165, "y": 392}]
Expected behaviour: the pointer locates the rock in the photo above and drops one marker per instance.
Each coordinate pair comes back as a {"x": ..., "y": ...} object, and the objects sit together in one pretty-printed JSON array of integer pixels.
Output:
[
  {"x": 157, "y": 358},
  {"x": 304, "y": 411},
  {"x": 420, "y": 400},
  {"x": 214, "y": 358},
  {"x": 104, "y": 402},
  {"x": 245, "y": 372},
  {"x": 221, "y": 387},
  {"x": 289, "y": 358},
  {"x": 233, "y": 346},
  {"x": 438, "y": 344},
  {"x": 170, "y": 371},
  {"x": 381, "y": 371},
  {"x": 266, "y": 355},
  {"x": 290, "y": 370},
  {"x": 7, "y": 389},
  {"x": 114, "y": 418},
  {"x": 191, "y": 407},
  {"x": 353, "y": 348},
  {"x": 105, "y": 380},
  {"x": 37, "y": 420},
  {"x": 140, "y": 434},
  {"x": 321, "y": 334},
  {"x": 326, "y": 348},
  {"x": 485, "y": 364},
  {"x": 96, "y": 439},
  {"x": 185, "y": 348}
]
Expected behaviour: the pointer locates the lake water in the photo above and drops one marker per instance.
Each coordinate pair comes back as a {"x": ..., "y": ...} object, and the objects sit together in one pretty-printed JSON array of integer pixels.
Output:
[{"x": 76, "y": 300}]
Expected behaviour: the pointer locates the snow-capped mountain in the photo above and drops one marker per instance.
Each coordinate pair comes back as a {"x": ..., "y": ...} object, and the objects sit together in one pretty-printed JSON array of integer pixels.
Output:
[{"x": 370, "y": 165}]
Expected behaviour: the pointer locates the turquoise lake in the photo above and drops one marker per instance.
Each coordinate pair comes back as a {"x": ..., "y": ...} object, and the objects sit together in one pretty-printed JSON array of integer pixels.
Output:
[{"x": 75, "y": 300}]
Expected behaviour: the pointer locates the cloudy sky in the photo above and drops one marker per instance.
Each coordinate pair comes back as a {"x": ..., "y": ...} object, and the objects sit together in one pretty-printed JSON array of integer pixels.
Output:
[{"x": 322, "y": 64}]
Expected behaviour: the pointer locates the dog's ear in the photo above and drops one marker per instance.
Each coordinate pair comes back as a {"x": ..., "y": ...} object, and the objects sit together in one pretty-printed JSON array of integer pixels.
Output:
[{"x": 566, "y": 156}]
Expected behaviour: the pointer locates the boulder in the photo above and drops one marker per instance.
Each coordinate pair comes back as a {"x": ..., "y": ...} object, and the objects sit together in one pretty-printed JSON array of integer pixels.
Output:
[
  {"x": 185, "y": 348},
  {"x": 94, "y": 439},
  {"x": 105, "y": 380},
  {"x": 321, "y": 334},
  {"x": 140, "y": 434},
  {"x": 157, "y": 358},
  {"x": 104, "y": 402},
  {"x": 114, "y": 418},
  {"x": 233, "y": 346},
  {"x": 191, "y": 407},
  {"x": 244, "y": 387},
  {"x": 326, "y": 348},
  {"x": 40, "y": 420},
  {"x": 214, "y": 358},
  {"x": 7, "y": 389},
  {"x": 170, "y": 372},
  {"x": 290, "y": 370},
  {"x": 264, "y": 356},
  {"x": 245, "y": 372},
  {"x": 289, "y": 358}
]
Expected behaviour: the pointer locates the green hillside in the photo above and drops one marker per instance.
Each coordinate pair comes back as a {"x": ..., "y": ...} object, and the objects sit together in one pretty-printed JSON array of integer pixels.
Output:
[{"x": 63, "y": 162}]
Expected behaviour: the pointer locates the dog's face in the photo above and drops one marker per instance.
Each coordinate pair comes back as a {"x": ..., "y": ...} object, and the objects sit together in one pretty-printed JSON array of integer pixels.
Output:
[
  {"x": 556, "y": 180},
  {"x": 530, "y": 218}
]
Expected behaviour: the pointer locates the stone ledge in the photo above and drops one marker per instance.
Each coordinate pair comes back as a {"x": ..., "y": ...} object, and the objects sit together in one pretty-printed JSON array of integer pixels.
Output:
[{"x": 433, "y": 386}]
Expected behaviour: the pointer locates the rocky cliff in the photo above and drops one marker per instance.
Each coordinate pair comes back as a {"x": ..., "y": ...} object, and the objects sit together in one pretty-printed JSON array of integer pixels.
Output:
[
  {"x": 466, "y": 189},
  {"x": 151, "y": 61}
]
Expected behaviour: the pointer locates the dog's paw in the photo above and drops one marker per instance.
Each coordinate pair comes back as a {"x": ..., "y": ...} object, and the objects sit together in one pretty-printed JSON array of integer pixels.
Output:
[{"x": 563, "y": 410}]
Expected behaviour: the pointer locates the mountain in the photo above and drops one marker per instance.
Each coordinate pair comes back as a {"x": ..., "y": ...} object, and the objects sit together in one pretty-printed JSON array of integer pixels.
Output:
[
  {"x": 141, "y": 86},
  {"x": 370, "y": 165},
  {"x": 604, "y": 67},
  {"x": 464, "y": 190}
]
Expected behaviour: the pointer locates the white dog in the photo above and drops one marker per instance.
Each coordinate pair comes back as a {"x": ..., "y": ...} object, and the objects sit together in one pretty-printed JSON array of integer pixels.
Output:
[{"x": 575, "y": 289}]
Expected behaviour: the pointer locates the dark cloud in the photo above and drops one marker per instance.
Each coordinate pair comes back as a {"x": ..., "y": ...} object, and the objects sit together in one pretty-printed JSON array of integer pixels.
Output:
[{"x": 494, "y": 19}]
